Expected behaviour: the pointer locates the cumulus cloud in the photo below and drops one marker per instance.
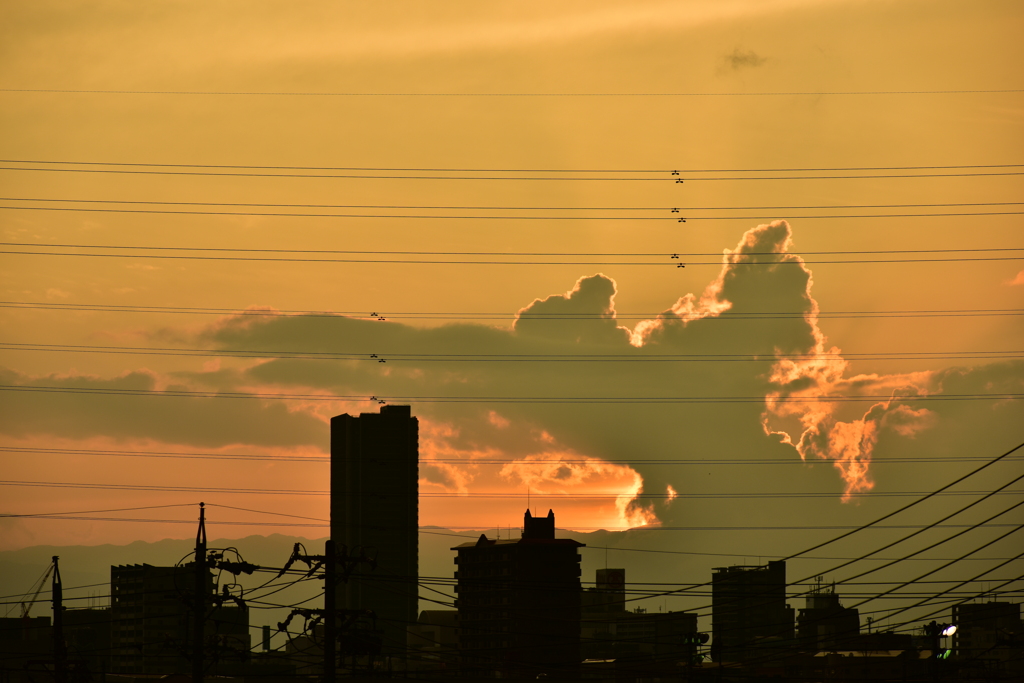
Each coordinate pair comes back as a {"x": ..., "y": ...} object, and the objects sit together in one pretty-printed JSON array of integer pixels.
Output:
[
  {"x": 759, "y": 276},
  {"x": 584, "y": 313},
  {"x": 539, "y": 418}
]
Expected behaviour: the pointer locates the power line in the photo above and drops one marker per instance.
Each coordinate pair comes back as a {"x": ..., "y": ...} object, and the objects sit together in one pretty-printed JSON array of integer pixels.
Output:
[
  {"x": 947, "y": 564},
  {"x": 476, "y": 495},
  {"x": 988, "y": 593},
  {"x": 660, "y": 264},
  {"x": 920, "y": 529},
  {"x": 425, "y": 581},
  {"x": 428, "y": 530},
  {"x": 876, "y": 523},
  {"x": 589, "y": 547},
  {"x": 45, "y": 591},
  {"x": 939, "y": 523},
  {"x": 932, "y": 598},
  {"x": 357, "y": 176},
  {"x": 425, "y": 530},
  {"x": 581, "y": 400},
  {"x": 638, "y": 357},
  {"x": 747, "y": 555},
  {"x": 83, "y": 512},
  {"x": 451, "y": 315},
  {"x": 913, "y": 504},
  {"x": 780, "y": 93},
  {"x": 265, "y": 512},
  {"x": 673, "y": 209},
  {"x": 663, "y": 254},
  {"x": 577, "y": 528},
  {"x": 690, "y": 218},
  {"x": 325, "y": 459}
]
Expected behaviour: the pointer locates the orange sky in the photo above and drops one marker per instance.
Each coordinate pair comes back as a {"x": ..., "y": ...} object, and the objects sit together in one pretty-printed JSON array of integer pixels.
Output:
[{"x": 723, "y": 53}]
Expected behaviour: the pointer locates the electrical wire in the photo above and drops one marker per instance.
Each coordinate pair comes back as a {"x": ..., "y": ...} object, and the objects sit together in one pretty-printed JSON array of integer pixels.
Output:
[
  {"x": 674, "y": 209},
  {"x": 325, "y": 459},
  {"x": 949, "y": 564},
  {"x": 578, "y": 400},
  {"x": 661, "y": 264},
  {"x": 892, "y": 514},
  {"x": 638, "y": 357},
  {"x": 877, "y": 521},
  {"x": 505, "y": 170},
  {"x": 86, "y": 512},
  {"x": 607, "y": 495},
  {"x": 829, "y": 527},
  {"x": 508, "y": 253},
  {"x": 357, "y": 176},
  {"x": 428, "y": 530},
  {"x": 532, "y": 316},
  {"x": 977, "y": 525},
  {"x": 556, "y": 218},
  {"x": 65, "y": 91}
]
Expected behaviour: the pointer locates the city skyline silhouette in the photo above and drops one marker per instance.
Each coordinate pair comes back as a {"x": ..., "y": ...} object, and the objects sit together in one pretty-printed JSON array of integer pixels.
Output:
[{"x": 716, "y": 281}]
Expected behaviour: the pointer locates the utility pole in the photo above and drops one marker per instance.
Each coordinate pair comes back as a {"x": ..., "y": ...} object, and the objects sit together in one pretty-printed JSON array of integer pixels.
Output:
[
  {"x": 60, "y": 652},
  {"x": 330, "y": 611},
  {"x": 199, "y": 601},
  {"x": 328, "y": 616}
]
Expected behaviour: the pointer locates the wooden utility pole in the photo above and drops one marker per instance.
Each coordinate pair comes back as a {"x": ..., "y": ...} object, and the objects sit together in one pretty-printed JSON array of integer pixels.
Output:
[
  {"x": 60, "y": 650},
  {"x": 199, "y": 599},
  {"x": 330, "y": 611},
  {"x": 337, "y": 569}
]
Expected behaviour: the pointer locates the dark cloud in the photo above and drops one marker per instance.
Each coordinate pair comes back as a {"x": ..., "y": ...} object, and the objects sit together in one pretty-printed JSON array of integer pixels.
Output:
[
  {"x": 204, "y": 422},
  {"x": 739, "y": 59}
]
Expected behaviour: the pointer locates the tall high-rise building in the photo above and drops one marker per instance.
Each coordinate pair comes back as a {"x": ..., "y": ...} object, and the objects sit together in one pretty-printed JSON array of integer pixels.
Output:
[
  {"x": 375, "y": 510},
  {"x": 749, "y": 614}
]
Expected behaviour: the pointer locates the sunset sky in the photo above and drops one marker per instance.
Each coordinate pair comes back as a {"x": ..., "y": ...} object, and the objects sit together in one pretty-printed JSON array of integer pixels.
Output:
[{"x": 182, "y": 180}]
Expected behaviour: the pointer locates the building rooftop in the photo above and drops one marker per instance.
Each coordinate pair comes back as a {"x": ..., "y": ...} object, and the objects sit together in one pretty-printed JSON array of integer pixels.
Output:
[{"x": 536, "y": 531}]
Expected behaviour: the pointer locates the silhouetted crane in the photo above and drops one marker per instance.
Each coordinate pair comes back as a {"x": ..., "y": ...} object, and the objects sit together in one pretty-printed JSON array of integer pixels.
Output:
[{"x": 37, "y": 588}]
